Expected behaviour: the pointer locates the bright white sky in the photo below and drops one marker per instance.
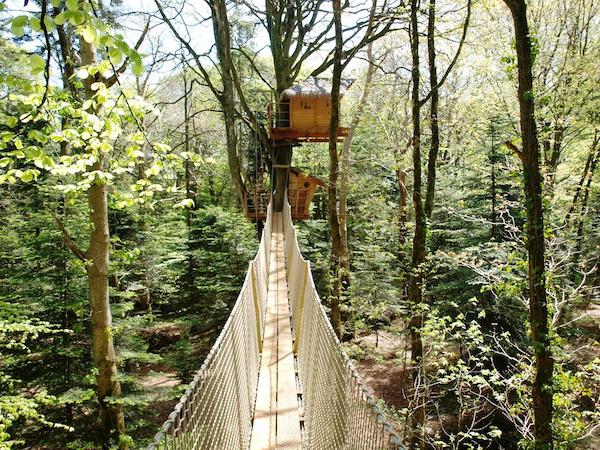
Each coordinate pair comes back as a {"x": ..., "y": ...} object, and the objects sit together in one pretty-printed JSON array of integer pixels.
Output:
[{"x": 199, "y": 30}]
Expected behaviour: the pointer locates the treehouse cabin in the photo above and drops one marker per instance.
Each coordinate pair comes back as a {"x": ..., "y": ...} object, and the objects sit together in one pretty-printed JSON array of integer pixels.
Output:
[
  {"x": 304, "y": 112},
  {"x": 301, "y": 189}
]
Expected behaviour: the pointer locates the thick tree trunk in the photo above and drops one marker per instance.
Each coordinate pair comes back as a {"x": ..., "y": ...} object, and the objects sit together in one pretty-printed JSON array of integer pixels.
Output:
[
  {"x": 103, "y": 350},
  {"x": 334, "y": 224},
  {"x": 418, "y": 254},
  {"x": 97, "y": 255},
  {"x": 538, "y": 306}
]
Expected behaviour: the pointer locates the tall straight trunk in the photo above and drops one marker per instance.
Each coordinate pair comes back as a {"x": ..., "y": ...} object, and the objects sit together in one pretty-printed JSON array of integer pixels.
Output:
[
  {"x": 402, "y": 206},
  {"x": 345, "y": 172},
  {"x": 588, "y": 173},
  {"x": 595, "y": 156},
  {"x": 552, "y": 163},
  {"x": 418, "y": 253},
  {"x": 220, "y": 23},
  {"x": 97, "y": 255},
  {"x": 538, "y": 305},
  {"x": 190, "y": 194},
  {"x": 334, "y": 224},
  {"x": 493, "y": 193},
  {"x": 190, "y": 188},
  {"x": 435, "y": 100}
]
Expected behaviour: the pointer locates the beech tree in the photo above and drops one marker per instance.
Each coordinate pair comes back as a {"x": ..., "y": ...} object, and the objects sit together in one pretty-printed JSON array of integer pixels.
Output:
[{"x": 91, "y": 128}]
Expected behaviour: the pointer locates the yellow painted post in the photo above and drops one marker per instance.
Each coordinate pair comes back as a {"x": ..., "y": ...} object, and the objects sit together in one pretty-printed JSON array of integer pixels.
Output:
[
  {"x": 300, "y": 311},
  {"x": 256, "y": 299}
]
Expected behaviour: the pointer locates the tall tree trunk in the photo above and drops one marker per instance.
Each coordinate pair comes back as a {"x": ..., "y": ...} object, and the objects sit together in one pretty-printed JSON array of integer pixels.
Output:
[
  {"x": 493, "y": 192},
  {"x": 538, "y": 305},
  {"x": 552, "y": 163},
  {"x": 97, "y": 255},
  {"x": 344, "y": 252},
  {"x": 588, "y": 173},
  {"x": 334, "y": 224},
  {"x": 402, "y": 205},
  {"x": 418, "y": 253},
  {"x": 435, "y": 100},
  {"x": 220, "y": 23}
]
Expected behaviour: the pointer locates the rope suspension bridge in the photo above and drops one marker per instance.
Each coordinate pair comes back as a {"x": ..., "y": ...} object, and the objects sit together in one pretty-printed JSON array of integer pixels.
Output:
[{"x": 277, "y": 376}]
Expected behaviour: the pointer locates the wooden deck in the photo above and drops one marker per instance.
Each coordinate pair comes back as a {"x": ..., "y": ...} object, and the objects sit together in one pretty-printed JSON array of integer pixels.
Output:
[{"x": 276, "y": 417}]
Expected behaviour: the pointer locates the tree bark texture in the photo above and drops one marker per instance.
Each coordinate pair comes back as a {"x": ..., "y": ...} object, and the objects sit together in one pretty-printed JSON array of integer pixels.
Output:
[
  {"x": 434, "y": 106},
  {"x": 345, "y": 173},
  {"x": 97, "y": 255},
  {"x": 220, "y": 23},
  {"x": 334, "y": 224},
  {"x": 418, "y": 253},
  {"x": 538, "y": 305}
]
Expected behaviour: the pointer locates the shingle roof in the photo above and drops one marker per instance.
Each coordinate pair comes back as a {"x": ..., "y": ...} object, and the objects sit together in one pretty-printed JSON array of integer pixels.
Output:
[{"x": 315, "y": 86}]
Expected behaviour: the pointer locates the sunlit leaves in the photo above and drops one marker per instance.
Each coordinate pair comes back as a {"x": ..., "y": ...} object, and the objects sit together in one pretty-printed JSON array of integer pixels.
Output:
[
  {"x": 38, "y": 64},
  {"x": 186, "y": 203},
  {"x": 17, "y": 26}
]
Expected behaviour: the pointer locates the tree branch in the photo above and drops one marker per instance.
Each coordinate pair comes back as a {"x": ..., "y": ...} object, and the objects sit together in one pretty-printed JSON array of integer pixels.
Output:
[
  {"x": 453, "y": 62},
  {"x": 80, "y": 254}
]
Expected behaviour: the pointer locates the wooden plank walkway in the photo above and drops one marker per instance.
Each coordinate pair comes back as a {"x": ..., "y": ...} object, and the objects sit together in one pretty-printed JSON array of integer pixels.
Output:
[{"x": 276, "y": 416}]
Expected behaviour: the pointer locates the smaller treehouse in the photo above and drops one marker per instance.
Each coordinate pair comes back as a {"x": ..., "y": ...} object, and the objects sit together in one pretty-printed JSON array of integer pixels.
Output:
[{"x": 302, "y": 115}]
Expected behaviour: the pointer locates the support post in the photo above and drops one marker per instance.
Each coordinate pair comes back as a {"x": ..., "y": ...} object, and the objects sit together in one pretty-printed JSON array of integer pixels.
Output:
[
  {"x": 257, "y": 311},
  {"x": 300, "y": 311}
]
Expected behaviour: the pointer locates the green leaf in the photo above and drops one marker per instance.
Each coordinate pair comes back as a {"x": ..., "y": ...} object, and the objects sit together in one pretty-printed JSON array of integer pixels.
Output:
[
  {"x": 89, "y": 34},
  {"x": 60, "y": 19},
  {"x": 20, "y": 21},
  {"x": 17, "y": 26},
  {"x": 76, "y": 17},
  {"x": 37, "y": 63},
  {"x": 72, "y": 5},
  {"x": 115, "y": 55},
  {"x": 35, "y": 24},
  {"x": 11, "y": 121},
  {"x": 27, "y": 176},
  {"x": 137, "y": 68}
]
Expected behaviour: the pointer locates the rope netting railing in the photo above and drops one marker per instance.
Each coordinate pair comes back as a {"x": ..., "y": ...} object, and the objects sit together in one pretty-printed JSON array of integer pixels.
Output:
[
  {"x": 339, "y": 412},
  {"x": 216, "y": 411}
]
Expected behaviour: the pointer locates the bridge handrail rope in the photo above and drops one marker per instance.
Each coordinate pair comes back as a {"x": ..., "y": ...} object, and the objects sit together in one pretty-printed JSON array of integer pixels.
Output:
[
  {"x": 339, "y": 411},
  {"x": 216, "y": 411}
]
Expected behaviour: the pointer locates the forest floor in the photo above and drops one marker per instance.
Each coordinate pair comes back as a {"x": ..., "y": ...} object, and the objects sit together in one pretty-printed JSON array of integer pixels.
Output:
[{"x": 381, "y": 360}]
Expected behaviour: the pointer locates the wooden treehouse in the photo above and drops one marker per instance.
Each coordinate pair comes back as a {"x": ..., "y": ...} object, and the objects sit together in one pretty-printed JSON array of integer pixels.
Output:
[
  {"x": 301, "y": 189},
  {"x": 302, "y": 115},
  {"x": 304, "y": 112}
]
